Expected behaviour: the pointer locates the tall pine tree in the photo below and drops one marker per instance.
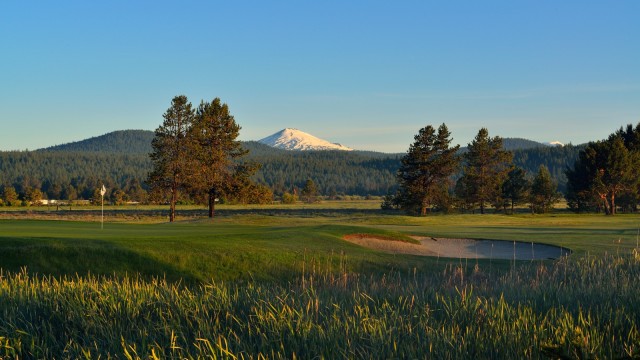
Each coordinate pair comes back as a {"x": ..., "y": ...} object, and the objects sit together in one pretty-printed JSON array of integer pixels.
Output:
[
  {"x": 487, "y": 165},
  {"x": 214, "y": 149},
  {"x": 544, "y": 191},
  {"x": 515, "y": 189},
  {"x": 604, "y": 170},
  {"x": 424, "y": 173},
  {"x": 170, "y": 154}
]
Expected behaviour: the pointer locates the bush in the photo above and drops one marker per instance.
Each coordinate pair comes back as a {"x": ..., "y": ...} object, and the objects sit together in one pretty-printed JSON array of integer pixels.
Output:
[{"x": 288, "y": 198}]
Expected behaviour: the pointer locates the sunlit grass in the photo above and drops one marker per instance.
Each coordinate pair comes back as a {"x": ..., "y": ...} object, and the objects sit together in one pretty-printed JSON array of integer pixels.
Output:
[{"x": 561, "y": 309}]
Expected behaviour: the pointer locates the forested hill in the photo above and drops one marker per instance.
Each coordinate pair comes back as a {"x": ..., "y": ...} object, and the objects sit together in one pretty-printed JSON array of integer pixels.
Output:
[
  {"x": 123, "y": 142},
  {"x": 334, "y": 172},
  {"x": 139, "y": 142},
  {"x": 521, "y": 144},
  {"x": 556, "y": 158},
  {"x": 120, "y": 160},
  {"x": 515, "y": 144}
]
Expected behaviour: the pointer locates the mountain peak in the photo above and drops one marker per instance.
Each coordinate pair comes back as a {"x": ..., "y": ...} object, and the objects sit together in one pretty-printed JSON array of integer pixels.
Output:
[{"x": 294, "y": 139}]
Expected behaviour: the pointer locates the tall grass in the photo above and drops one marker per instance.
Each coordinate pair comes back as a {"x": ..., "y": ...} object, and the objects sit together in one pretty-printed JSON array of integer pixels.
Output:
[{"x": 572, "y": 308}]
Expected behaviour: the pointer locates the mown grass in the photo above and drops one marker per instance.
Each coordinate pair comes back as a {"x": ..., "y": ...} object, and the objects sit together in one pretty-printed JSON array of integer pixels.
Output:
[
  {"x": 285, "y": 285},
  {"x": 268, "y": 247},
  {"x": 191, "y": 251}
]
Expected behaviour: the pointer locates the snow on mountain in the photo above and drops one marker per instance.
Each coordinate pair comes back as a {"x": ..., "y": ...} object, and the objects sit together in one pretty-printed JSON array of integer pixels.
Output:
[
  {"x": 294, "y": 139},
  {"x": 555, "y": 143}
]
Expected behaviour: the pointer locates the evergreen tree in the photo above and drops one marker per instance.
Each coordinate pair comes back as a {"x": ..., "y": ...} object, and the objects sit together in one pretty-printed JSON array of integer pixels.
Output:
[
  {"x": 243, "y": 190},
  {"x": 134, "y": 191},
  {"x": 289, "y": 198},
  {"x": 118, "y": 197},
  {"x": 424, "y": 173},
  {"x": 33, "y": 196},
  {"x": 214, "y": 148},
  {"x": 617, "y": 171},
  {"x": 604, "y": 170},
  {"x": 309, "y": 192},
  {"x": 544, "y": 192},
  {"x": 515, "y": 189},
  {"x": 10, "y": 196},
  {"x": 630, "y": 137},
  {"x": 487, "y": 165},
  {"x": 170, "y": 154},
  {"x": 463, "y": 194},
  {"x": 96, "y": 198},
  {"x": 70, "y": 194},
  {"x": 389, "y": 202}
]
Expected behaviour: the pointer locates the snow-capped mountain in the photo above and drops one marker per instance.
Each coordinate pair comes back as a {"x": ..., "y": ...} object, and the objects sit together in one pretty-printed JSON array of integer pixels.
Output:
[
  {"x": 294, "y": 139},
  {"x": 555, "y": 143}
]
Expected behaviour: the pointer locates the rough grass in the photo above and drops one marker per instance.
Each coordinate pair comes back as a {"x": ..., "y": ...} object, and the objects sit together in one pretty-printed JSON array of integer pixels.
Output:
[{"x": 563, "y": 309}]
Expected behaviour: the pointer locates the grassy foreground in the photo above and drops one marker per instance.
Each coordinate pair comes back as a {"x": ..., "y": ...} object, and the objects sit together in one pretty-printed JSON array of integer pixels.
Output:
[
  {"x": 584, "y": 308},
  {"x": 287, "y": 286}
]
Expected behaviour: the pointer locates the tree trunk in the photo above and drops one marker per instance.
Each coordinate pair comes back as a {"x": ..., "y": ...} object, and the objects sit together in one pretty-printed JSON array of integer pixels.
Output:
[
  {"x": 172, "y": 210},
  {"x": 605, "y": 204},
  {"x": 172, "y": 204},
  {"x": 212, "y": 203},
  {"x": 424, "y": 206},
  {"x": 612, "y": 203}
]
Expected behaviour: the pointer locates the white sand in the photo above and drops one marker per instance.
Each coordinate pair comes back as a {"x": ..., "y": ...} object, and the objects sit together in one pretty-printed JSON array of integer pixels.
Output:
[{"x": 463, "y": 248}]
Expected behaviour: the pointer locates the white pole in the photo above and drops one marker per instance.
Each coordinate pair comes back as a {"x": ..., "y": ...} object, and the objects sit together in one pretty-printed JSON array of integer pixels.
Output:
[{"x": 102, "y": 192}]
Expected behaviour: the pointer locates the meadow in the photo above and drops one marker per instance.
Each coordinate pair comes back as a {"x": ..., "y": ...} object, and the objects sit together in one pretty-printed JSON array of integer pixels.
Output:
[{"x": 279, "y": 282}]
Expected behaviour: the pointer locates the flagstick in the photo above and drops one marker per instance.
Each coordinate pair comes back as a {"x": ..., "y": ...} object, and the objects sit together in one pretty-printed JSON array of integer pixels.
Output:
[{"x": 102, "y": 192}]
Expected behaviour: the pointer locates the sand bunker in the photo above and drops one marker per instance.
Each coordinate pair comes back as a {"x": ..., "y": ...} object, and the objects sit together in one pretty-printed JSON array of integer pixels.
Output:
[{"x": 462, "y": 248}]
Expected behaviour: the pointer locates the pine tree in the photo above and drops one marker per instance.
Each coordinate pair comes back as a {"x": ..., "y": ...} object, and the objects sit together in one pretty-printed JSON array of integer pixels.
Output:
[
  {"x": 544, "y": 191},
  {"x": 516, "y": 187},
  {"x": 487, "y": 165},
  {"x": 463, "y": 195},
  {"x": 170, "y": 154},
  {"x": 214, "y": 148},
  {"x": 243, "y": 189},
  {"x": 10, "y": 196},
  {"x": 424, "y": 173},
  {"x": 604, "y": 171},
  {"x": 309, "y": 192},
  {"x": 33, "y": 196},
  {"x": 617, "y": 172}
]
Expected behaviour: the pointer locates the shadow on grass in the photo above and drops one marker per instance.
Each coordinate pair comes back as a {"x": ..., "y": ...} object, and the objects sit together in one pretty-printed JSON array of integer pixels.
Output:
[{"x": 60, "y": 256}]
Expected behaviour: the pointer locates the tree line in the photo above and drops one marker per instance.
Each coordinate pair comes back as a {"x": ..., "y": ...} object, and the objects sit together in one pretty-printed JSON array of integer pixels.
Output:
[
  {"x": 606, "y": 175},
  {"x": 335, "y": 173},
  {"x": 70, "y": 176},
  {"x": 599, "y": 176},
  {"x": 434, "y": 175}
]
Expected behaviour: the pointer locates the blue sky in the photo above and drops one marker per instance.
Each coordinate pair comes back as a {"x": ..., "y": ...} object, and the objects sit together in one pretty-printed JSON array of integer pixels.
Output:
[{"x": 367, "y": 74}]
